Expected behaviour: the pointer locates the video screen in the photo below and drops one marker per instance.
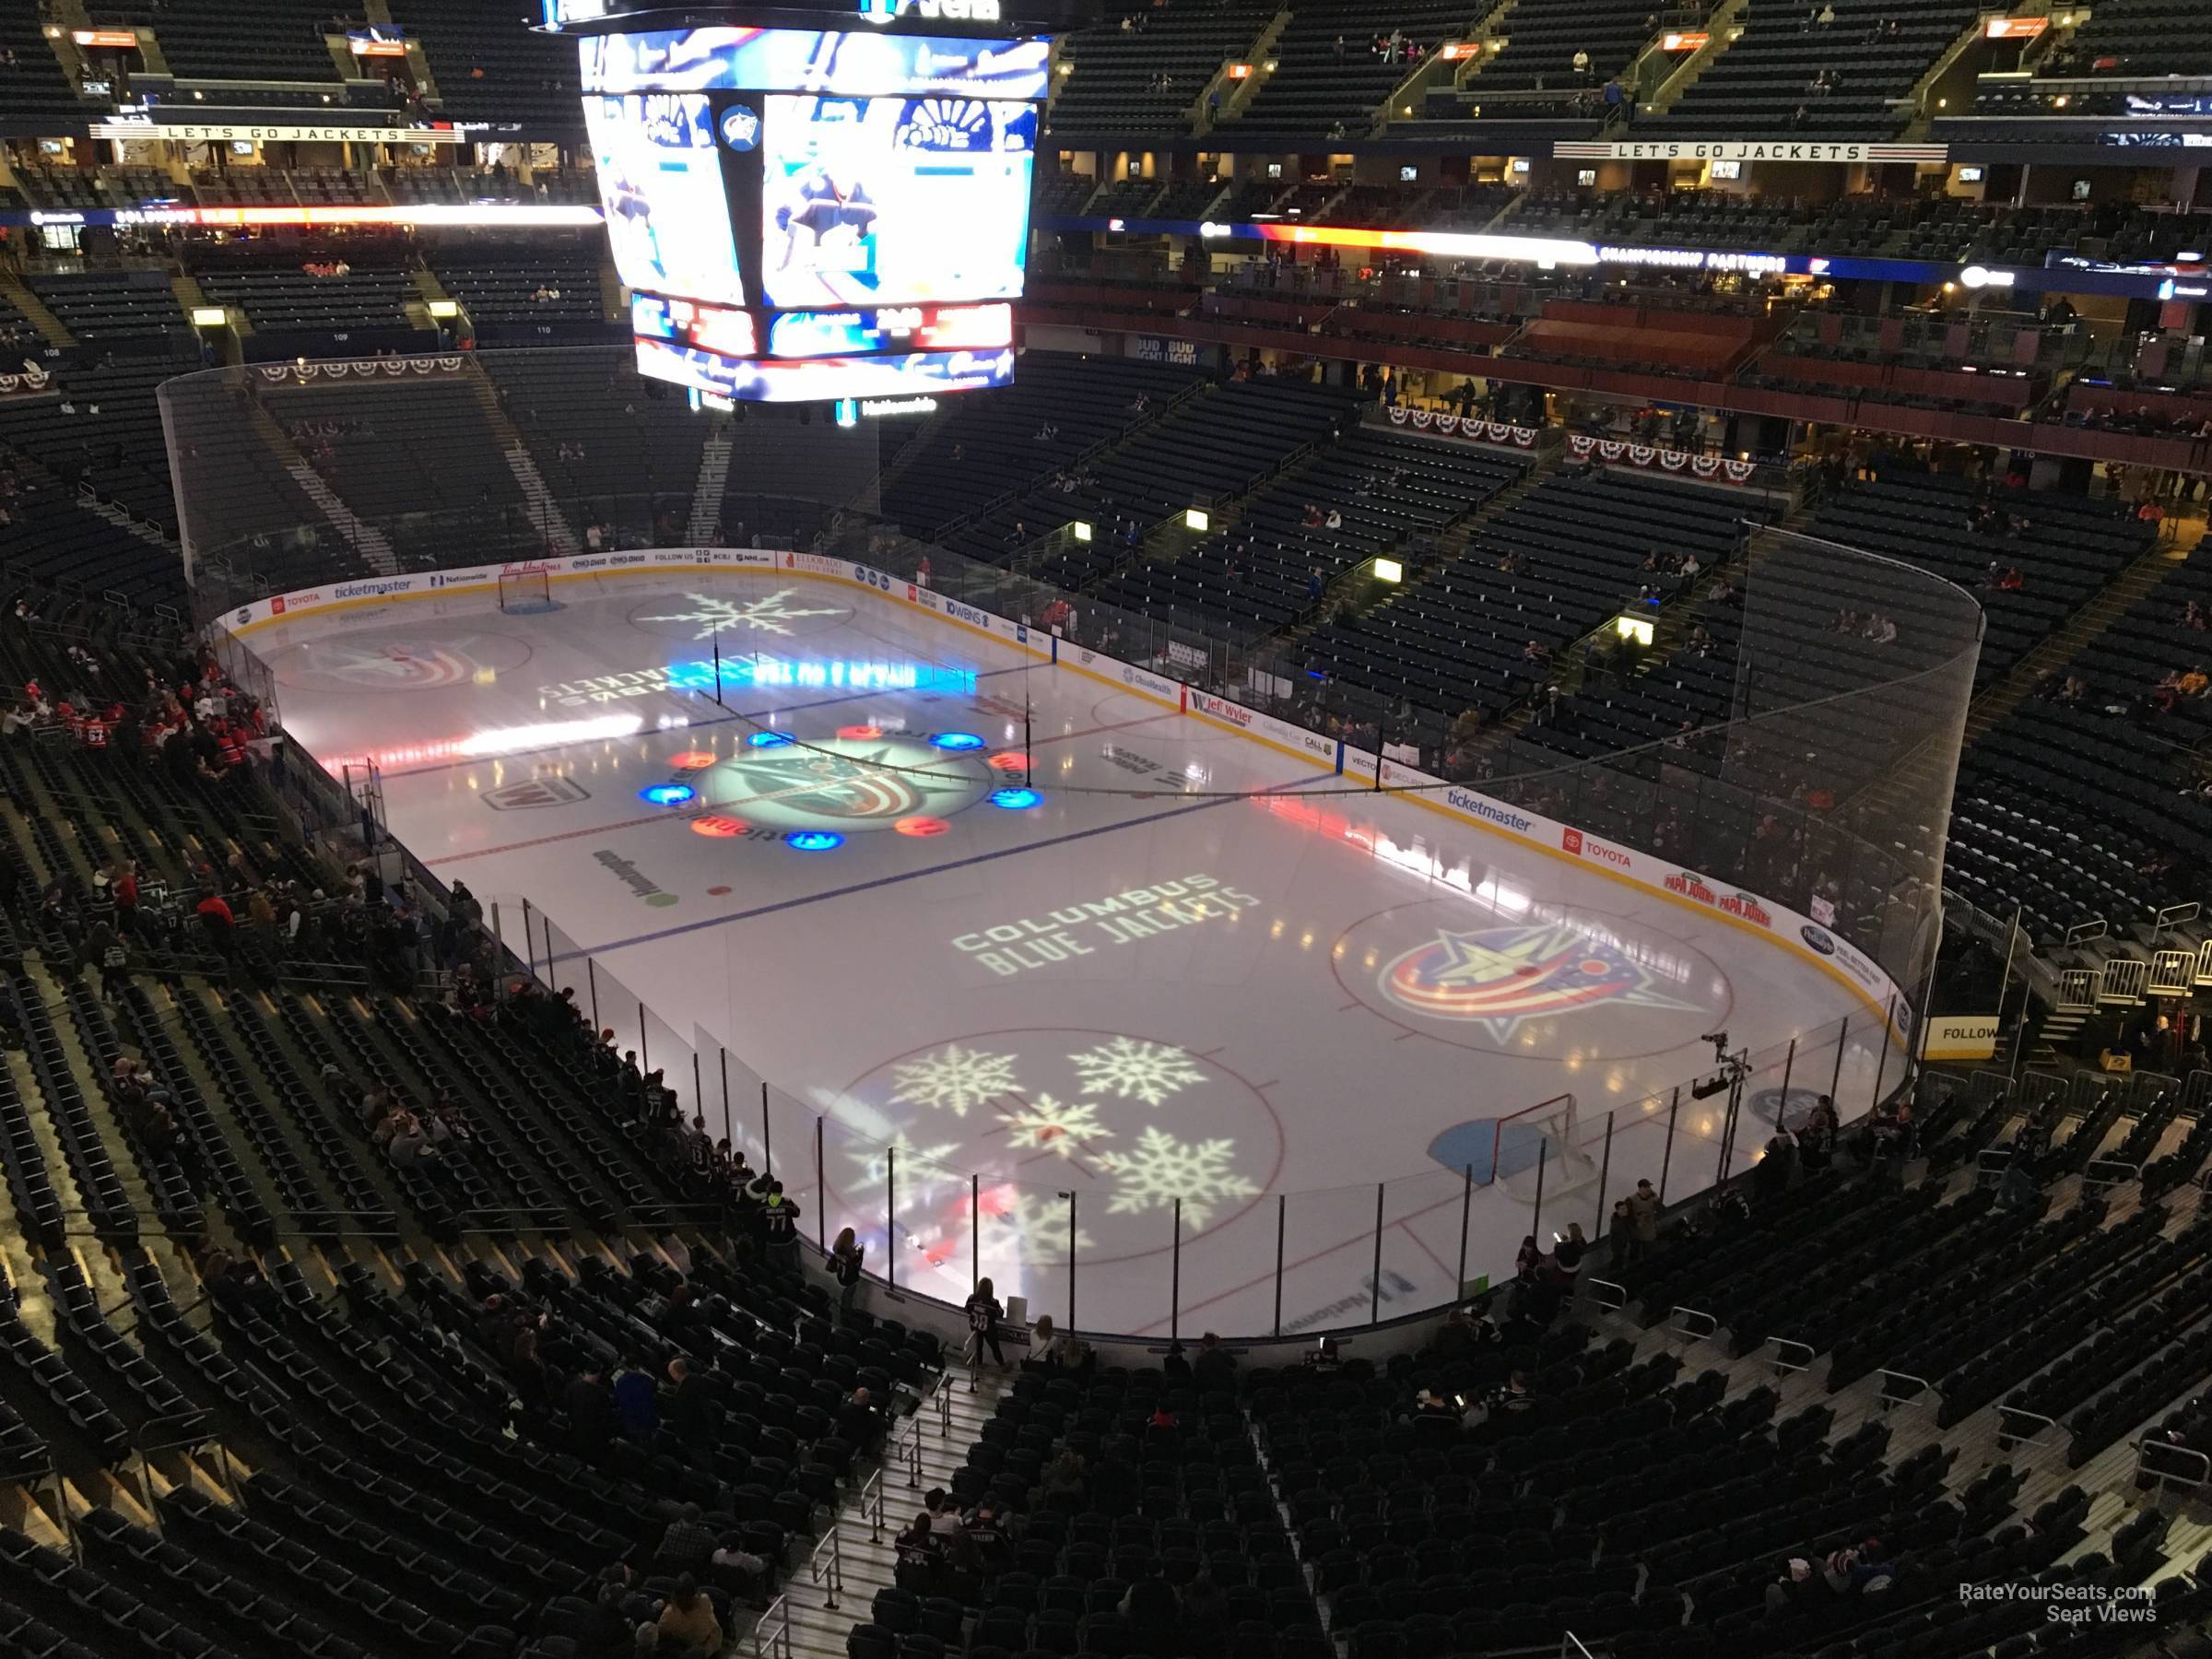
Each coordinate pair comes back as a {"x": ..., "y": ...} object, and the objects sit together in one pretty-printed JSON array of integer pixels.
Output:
[
  {"x": 727, "y": 58},
  {"x": 892, "y": 328},
  {"x": 894, "y": 201},
  {"x": 812, "y": 379},
  {"x": 661, "y": 186}
]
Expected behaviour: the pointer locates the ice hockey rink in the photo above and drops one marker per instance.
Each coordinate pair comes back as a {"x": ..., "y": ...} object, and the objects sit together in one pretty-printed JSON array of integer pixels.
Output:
[{"x": 1161, "y": 960}]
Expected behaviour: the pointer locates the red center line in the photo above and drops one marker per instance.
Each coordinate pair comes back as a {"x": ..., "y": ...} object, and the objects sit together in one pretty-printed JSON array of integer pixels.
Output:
[{"x": 663, "y": 817}]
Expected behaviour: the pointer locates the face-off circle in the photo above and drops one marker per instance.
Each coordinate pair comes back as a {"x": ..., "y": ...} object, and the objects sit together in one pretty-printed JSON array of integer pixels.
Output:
[
  {"x": 398, "y": 664},
  {"x": 745, "y": 621},
  {"x": 1128, "y": 1123},
  {"x": 1555, "y": 983},
  {"x": 843, "y": 784}
]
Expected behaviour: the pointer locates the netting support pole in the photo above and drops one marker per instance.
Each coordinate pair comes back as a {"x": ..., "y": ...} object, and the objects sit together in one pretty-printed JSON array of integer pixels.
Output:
[
  {"x": 1466, "y": 1213},
  {"x": 768, "y": 1140},
  {"x": 1604, "y": 1176},
  {"x": 1535, "y": 1218},
  {"x": 1282, "y": 1201},
  {"x": 1782, "y": 1110},
  {"x": 1666, "y": 1158},
  {"x": 890, "y": 1219},
  {"x": 718, "y": 673},
  {"x": 591, "y": 977},
  {"x": 1028, "y": 759},
  {"x": 1881, "y": 1053},
  {"x": 1175, "y": 1276},
  {"x": 1374, "y": 1282},
  {"x": 1835, "y": 1075},
  {"x": 1071, "y": 1258},
  {"x": 729, "y": 1122},
  {"x": 821, "y": 1210}
]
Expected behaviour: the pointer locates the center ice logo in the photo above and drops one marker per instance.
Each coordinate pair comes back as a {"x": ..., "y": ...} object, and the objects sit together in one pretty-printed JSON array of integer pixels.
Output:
[
  {"x": 1500, "y": 976},
  {"x": 840, "y": 784}
]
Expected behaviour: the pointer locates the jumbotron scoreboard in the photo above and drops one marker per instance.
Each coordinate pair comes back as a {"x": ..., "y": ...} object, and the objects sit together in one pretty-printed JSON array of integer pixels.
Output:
[{"x": 817, "y": 203}]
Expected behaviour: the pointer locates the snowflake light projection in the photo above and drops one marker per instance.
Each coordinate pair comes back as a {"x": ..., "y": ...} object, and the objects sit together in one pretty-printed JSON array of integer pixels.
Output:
[
  {"x": 768, "y": 613},
  {"x": 952, "y": 1080},
  {"x": 1030, "y": 1224},
  {"x": 872, "y": 1165},
  {"x": 1062, "y": 1126},
  {"x": 1162, "y": 1169},
  {"x": 1131, "y": 1069}
]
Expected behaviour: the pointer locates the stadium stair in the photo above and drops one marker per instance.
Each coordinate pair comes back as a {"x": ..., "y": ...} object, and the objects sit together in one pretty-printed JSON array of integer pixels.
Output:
[
  {"x": 373, "y": 546},
  {"x": 1237, "y": 94},
  {"x": 2124, "y": 592},
  {"x": 714, "y": 478},
  {"x": 18, "y": 293},
  {"x": 1680, "y": 77},
  {"x": 948, "y": 1421},
  {"x": 432, "y": 291},
  {"x": 546, "y": 515}
]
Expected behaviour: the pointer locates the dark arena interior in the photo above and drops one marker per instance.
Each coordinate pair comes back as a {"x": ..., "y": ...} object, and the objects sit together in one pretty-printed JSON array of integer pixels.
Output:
[{"x": 1423, "y": 878}]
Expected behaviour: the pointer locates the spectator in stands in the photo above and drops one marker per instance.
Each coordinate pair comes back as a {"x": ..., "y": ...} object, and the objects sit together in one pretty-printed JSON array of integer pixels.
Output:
[
  {"x": 859, "y": 1424},
  {"x": 1817, "y": 1137},
  {"x": 1569, "y": 1249},
  {"x": 687, "y": 1546},
  {"x": 737, "y": 1570},
  {"x": 983, "y": 1317},
  {"x": 688, "y": 1627},
  {"x": 589, "y": 1406},
  {"x": 1795, "y": 1590},
  {"x": 920, "y": 1557},
  {"x": 1515, "y": 1401},
  {"x": 1643, "y": 1209},
  {"x": 844, "y": 1267},
  {"x": 779, "y": 1227},
  {"x": 1066, "y": 1475},
  {"x": 1214, "y": 1368},
  {"x": 1620, "y": 1233},
  {"x": 694, "y": 1408},
  {"x": 637, "y": 1403},
  {"x": 603, "y": 1630}
]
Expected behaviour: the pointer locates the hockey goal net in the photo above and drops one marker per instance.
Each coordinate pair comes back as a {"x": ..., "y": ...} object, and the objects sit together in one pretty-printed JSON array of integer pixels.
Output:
[
  {"x": 1541, "y": 1142},
  {"x": 527, "y": 591}
]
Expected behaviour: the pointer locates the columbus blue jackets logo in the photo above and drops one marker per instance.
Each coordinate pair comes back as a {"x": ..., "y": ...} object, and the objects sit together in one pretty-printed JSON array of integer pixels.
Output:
[{"x": 1502, "y": 976}]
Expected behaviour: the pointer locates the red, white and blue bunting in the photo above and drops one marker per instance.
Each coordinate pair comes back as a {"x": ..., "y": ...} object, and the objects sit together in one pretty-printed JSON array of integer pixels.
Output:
[
  {"x": 1433, "y": 420},
  {"x": 1611, "y": 451},
  {"x": 32, "y": 378},
  {"x": 368, "y": 369}
]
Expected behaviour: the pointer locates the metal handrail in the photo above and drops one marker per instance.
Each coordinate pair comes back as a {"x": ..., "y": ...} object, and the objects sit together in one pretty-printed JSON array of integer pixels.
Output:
[
  {"x": 2034, "y": 1440},
  {"x": 2146, "y": 1466},
  {"x": 774, "y": 1626},
  {"x": 908, "y": 1451},
  {"x": 1782, "y": 1362},
  {"x": 831, "y": 1573},
  {"x": 871, "y": 1505},
  {"x": 1621, "y": 1293},
  {"x": 1929, "y": 1393},
  {"x": 1679, "y": 1323}
]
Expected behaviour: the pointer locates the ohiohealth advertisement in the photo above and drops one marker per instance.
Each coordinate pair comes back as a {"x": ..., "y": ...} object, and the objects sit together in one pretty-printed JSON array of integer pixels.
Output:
[
  {"x": 894, "y": 201},
  {"x": 660, "y": 182}
]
